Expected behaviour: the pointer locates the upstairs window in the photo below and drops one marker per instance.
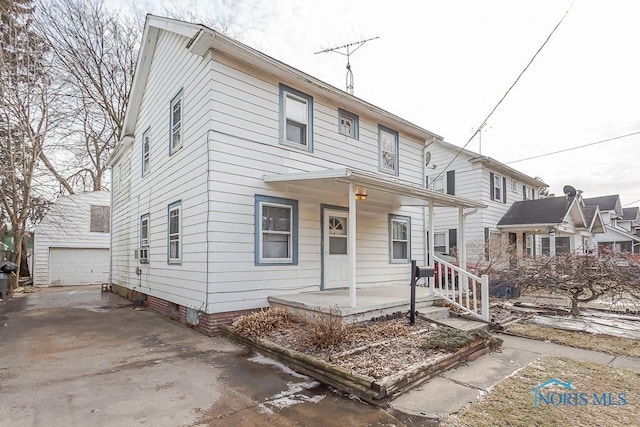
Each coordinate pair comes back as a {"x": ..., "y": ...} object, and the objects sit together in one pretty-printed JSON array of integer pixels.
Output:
[
  {"x": 438, "y": 184},
  {"x": 388, "y": 150},
  {"x": 175, "y": 120},
  {"x": 528, "y": 193},
  {"x": 174, "y": 233},
  {"x": 276, "y": 230},
  {"x": 144, "y": 239},
  {"x": 400, "y": 238},
  {"x": 348, "y": 123},
  {"x": 514, "y": 185},
  {"x": 145, "y": 153},
  {"x": 497, "y": 187},
  {"x": 296, "y": 118}
]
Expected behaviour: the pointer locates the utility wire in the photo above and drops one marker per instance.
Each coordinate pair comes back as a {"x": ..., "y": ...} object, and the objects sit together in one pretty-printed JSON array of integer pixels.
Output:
[
  {"x": 635, "y": 201},
  {"x": 575, "y": 148},
  {"x": 484, "y": 122}
]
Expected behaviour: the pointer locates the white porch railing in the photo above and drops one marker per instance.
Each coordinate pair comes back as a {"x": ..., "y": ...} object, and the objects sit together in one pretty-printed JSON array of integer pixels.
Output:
[{"x": 462, "y": 289}]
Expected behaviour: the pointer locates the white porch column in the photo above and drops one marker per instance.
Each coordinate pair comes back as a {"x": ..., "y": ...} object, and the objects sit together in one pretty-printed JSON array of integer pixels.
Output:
[
  {"x": 462, "y": 243},
  {"x": 431, "y": 247},
  {"x": 552, "y": 243},
  {"x": 351, "y": 237}
]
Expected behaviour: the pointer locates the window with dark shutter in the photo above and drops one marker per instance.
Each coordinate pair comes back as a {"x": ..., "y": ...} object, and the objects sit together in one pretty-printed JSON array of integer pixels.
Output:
[
  {"x": 451, "y": 182},
  {"x": 504, "y": 190},
  {"x": 453, "y": 238},
  {"x": 492, "y": 190}
]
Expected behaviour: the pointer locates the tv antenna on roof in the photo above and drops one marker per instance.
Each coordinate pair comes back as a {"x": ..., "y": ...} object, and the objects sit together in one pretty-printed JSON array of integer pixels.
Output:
[{"x": 348, "y": 47}]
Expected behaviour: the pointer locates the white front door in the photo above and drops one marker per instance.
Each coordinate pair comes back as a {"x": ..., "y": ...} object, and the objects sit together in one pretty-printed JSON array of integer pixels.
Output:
[{"x": 336, "y": 259}]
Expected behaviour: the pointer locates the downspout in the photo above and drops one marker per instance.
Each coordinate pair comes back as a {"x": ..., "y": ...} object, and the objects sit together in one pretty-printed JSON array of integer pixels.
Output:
[
  {"x": 209, "y": 140},
  {"x": 425, "y": 231},
  {"x": 463, "y": 239}
]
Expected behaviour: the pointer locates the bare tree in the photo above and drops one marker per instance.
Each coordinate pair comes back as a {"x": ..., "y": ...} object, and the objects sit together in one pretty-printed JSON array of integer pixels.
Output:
[
  {"x": 583, "y": 278},
  {"x": 26, "y": 95},
  {"x": 95, "y": 51}
]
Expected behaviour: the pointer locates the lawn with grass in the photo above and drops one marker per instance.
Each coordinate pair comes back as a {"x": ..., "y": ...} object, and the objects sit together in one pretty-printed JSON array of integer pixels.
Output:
[
  {"x": 511, "y": 402},
  {"x": 604, "y": 343}
]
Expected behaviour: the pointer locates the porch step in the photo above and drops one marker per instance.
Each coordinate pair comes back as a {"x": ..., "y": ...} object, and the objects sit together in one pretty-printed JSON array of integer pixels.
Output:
[
  {"x": 434, "y": 312},
  {"x": 453, "y": 322}
]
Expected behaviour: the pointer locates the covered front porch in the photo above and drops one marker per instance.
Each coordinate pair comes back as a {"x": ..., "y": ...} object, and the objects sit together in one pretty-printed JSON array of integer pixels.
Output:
[
  {"x": 373, "y": 302},
  {"x": 380, "y": 197}
]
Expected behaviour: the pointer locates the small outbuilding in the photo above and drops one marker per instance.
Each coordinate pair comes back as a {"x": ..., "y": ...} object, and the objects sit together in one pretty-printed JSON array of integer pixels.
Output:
[{"x": 72, "y": 242}]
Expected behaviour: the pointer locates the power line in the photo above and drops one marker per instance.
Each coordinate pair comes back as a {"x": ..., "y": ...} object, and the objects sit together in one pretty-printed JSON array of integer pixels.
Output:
[
  {"x": 575, "y": 148},
  {"x": 635, "y": 201},
  {"x": 479, "y": 128}
]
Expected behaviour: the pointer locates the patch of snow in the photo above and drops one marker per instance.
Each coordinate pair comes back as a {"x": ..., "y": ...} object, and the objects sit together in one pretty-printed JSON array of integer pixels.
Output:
[
  {"x": 263, "y": 360},
  {"x": 291, "y": 396}
]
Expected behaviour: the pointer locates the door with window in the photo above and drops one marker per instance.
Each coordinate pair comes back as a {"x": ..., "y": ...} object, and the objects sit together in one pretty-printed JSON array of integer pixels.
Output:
[{"x": 335, "y": 249}]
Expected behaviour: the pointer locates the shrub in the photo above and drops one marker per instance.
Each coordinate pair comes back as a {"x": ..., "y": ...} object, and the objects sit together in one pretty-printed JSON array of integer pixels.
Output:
[{"x": 260, "y": 323}]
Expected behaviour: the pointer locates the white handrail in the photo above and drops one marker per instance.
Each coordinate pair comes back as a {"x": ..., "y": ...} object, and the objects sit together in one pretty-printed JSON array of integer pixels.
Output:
[{"x": 462, "y": 289}]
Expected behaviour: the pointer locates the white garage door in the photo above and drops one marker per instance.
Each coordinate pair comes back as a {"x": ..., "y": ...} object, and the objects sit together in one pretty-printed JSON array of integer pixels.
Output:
[{"x": 78, "y": 266}]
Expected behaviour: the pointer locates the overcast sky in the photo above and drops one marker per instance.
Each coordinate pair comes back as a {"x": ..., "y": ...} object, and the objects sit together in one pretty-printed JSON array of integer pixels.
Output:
[{"x": 445, "y": 64}]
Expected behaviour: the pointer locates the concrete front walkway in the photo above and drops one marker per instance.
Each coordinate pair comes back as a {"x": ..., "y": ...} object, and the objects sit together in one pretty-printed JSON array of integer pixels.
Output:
[{"x": 455, "y": 389}]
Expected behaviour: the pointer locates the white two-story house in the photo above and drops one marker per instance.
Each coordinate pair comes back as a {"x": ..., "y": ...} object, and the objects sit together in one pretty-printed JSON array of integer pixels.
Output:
[
  {"x": 238, "y": 177},
  {"x": 455, "y": 171},
  {"x": 620, "y": 224}
]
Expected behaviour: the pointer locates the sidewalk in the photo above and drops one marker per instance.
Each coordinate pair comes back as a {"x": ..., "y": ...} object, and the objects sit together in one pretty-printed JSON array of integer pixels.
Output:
[{"x": 455, "y": 389}]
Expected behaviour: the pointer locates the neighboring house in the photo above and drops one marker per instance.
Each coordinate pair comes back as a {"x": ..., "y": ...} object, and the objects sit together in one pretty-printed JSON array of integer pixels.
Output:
[
  {"x": 621, "y": 224},
  {"x": 552, "y": 226},
  {"x": 477, "y": 177},
  {"x": 239, "y": 177},
  {"x": 71, "y": 244}
]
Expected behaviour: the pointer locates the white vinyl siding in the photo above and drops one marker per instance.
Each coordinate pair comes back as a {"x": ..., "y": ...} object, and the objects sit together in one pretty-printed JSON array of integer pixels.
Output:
[{"x": 232, "y": 128}]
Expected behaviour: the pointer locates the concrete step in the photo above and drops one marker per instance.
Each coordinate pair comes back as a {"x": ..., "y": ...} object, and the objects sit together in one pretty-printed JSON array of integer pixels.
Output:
[
  {"x": 434, "y": 312},
  {"x": 464, "y": 324}
]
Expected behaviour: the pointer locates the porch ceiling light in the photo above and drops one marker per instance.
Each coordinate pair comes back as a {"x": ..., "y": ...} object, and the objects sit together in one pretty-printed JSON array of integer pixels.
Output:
[{"x": 361, "y": 193}]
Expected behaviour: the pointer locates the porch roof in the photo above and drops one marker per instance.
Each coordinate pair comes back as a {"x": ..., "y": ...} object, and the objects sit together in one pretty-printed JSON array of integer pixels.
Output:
[{"x": 391, "y": 190}]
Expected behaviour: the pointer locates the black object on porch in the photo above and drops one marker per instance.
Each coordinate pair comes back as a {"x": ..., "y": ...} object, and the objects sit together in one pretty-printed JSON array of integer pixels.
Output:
[{"x": 416, "y": 273}]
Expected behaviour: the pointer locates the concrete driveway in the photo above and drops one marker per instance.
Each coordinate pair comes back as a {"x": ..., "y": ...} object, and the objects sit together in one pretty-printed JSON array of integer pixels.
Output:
[{"x": 76, "y": 357}]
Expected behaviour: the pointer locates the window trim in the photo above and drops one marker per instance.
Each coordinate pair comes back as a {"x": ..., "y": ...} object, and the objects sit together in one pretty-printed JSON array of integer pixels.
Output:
[
  {"x": 514, "y": 186},
  {"x": 147, "y": 154},
  {"x": 356, "y": 123},
  {"x": 444, "y": 236},
  {"x": 284, "y": 91},
  {"x": 261, "y": 201},
  {"x": 396, "y": 170},
  {"x": 177, "y": 98},
  {"x": 172, "y": 207},
  {"x": 142, "y": 245},
  {"x": 407, "y": 220},
  {"x": 440, "y": 181}
]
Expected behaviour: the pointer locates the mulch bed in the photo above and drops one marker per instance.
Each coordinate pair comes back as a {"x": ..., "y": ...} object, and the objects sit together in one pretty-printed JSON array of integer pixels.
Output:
[{"x": 375, "y": 349}]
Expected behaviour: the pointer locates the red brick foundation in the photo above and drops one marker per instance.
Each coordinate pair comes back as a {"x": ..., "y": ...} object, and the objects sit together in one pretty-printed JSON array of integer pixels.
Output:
[{"x": 208, "y": 324}]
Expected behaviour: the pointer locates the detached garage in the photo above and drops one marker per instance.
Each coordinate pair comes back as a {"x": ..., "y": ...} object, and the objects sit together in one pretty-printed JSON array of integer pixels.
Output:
[{"x": 71, "y": 244}]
